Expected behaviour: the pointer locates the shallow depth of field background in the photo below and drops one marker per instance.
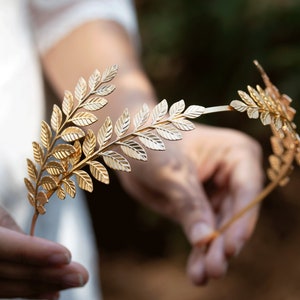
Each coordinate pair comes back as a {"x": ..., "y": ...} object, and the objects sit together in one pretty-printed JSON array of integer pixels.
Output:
[{"x": 202, "y": 52}]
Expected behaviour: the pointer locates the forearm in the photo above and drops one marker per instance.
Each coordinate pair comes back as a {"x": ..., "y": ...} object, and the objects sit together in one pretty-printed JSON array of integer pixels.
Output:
[{"x": 100, "y": 44}]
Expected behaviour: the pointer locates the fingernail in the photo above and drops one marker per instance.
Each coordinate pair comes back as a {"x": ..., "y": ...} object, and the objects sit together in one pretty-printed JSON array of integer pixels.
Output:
[
  {"x": 73, "y": 280},
  {"x": 59, "y": 259},
  {"x": 201, "y": 233}
]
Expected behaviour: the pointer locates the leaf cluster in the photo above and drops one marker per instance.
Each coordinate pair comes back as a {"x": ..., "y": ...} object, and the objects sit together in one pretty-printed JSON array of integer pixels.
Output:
[
  {"x": 66, "y": 147},
  {"x": 273, "y": 108}
]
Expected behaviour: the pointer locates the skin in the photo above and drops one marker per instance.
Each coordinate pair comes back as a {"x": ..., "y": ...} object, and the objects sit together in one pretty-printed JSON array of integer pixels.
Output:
[
  {"x": 198, "y": 182},
  {"x": 32, "y": 267}
]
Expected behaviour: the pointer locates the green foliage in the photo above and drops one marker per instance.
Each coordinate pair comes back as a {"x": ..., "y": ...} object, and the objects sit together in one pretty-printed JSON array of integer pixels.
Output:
[{"x": 202, "y": 51}]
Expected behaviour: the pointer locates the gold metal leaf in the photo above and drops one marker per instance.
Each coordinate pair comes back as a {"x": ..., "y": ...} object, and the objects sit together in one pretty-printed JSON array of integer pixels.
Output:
[
  {"x": 72, "y": 133},
  {"x": 105, "y": 90},
  {"x": 116, "y": 161},
  {"x": 68, "y": 103},
  {"x": 63, "y": 151},
  {"x": 277, "y": 146},
  {"x": 141, "y": 117},
  {"x": 99, "y": 171},
  {"x": 169, "y": 132},
  {"x": 122, "y": 123},
  {"x": 31, "y": 199},
  {"x": 105, "y": 133},
  {"x": 94, "y": 80},
  {"x": 177, "y": 108},
  {"x": 284, "y": 181},
  {"x": 277, "y": 121},
  {"x": 38, "y": 153},
  {"x": 46, "y": 134},
  {"x": 246, "y": 98},
  {"x": 29, "y": 186},
  {"x": 287, "y": 157},
  {"x": 253, "y": 112},
  {"x": 80, "y": 89},
  {"x": 256, "y": 97},
  {"x": 183, "y": 124},
  {"x": 31, "y": 170},
  {"x": 287, "y": 143},
  {"x": 133, "y": 149},
  {"x": 238, "y": 105},
  {"x": 159, "y": 111},
  {"x": 84, "y": 180},
  {"x": 109, "y": 74},
  {"x": 42, "y": 198},
  {"x": 60, "y": 192},
  {"x": 275, "y": 162},
  {"x": 65, "y": 162},
  {"x": 83, "y": 119},
  {"x": 194, "y": 111},
  {"x": 89, "y": 143},
  {"x": 41, "y": 209},
  {"x": 54, "y": 168},
  {"x": 70, "y": 187},
  {"x": 151, "y": 141},
  {"x": 268, "y": 100},
  {"x": 272, "y": 174},
  {"x": 290, "y": 111},
  {"x": 48, "y": 183},
  {"x": 56, "y": 118},
  {"x": 95, "y": 103},
  {"x": 75, "y": 157},
  {"x": 265, "y": 118}
]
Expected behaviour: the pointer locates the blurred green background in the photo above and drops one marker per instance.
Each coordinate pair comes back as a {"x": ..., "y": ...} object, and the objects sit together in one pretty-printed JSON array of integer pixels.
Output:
[{"x": 203, "y": 51}]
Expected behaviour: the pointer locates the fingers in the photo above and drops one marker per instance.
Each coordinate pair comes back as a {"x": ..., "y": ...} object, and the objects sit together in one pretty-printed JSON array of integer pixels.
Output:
[
  {"x": 31, "y": 266},
  {"x": 244, "y": 186},
  {"x": 207, "y": 263},
  {"x": 21, "y": 248},
  {"x": 24, "y": 281},
  {"x": 195, "y": 215},
  {"x": 241, "y": 229},
  {"x": 196, "y": 266}
]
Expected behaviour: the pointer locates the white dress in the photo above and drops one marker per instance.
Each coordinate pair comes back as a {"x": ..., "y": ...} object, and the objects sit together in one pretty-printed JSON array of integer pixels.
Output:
[{"x": 27, "y": 29}]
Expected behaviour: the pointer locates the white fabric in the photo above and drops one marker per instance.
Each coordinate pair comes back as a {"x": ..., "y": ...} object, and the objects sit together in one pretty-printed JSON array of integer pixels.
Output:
[
  {"x": 27, "y": 28},
  {"x": 54, "y": 19}
]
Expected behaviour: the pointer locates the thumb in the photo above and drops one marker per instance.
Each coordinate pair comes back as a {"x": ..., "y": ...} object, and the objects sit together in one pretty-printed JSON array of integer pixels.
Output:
[
  {"x": 7, "y": 221},
  {"x": 197, "y": 218}
]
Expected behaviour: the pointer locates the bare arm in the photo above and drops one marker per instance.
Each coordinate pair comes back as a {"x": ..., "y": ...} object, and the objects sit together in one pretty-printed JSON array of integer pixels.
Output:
[{"x": 100, "y": 44}]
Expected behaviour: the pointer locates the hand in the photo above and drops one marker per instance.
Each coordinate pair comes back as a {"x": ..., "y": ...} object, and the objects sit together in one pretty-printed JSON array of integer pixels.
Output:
[
  {"x": 201, "y": 182},
  {"x": 32, "y": 267}
]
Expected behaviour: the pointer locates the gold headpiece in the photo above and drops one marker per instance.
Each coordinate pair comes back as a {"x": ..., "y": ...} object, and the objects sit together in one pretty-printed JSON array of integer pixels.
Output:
[{"x": 66, "y": 148}]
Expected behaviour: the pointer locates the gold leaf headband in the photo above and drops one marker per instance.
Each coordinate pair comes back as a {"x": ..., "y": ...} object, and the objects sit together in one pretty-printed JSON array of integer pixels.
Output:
[{"x": 66, "y": 148}]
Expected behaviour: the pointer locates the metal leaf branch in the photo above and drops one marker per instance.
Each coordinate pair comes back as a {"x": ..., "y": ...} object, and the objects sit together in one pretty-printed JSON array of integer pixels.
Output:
[{"x": 66, "y": 148}]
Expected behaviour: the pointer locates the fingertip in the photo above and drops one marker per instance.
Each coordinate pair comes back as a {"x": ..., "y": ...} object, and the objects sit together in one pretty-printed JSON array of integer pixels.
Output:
[
  {"x": 217, "y": 270},
  {"x": 216, "y": 264},
  {"x": 195, "y": 268},
  {"x": 196, "y": 274},
  {"x": 61, "y": 258}
]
